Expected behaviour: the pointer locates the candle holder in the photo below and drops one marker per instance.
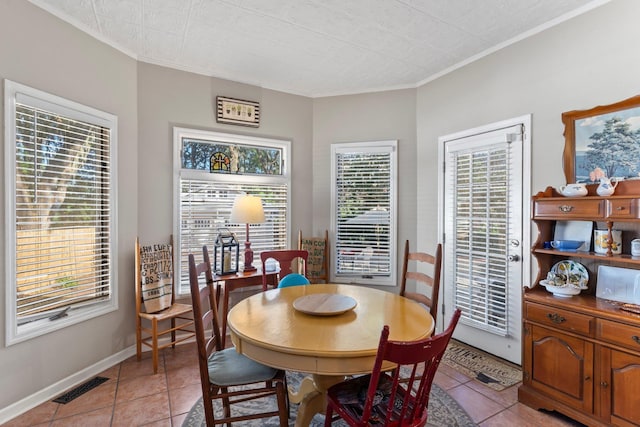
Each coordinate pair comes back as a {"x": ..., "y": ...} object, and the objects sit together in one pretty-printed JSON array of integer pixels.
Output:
[{"x": 226, "y": 252}]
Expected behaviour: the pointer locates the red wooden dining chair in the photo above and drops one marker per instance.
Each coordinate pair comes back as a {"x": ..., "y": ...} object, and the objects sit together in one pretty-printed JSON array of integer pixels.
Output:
[
  {"x": 225, "y": 374},
  {"x": 285, "y": 258},
  {"x": 396, "y": 398}
]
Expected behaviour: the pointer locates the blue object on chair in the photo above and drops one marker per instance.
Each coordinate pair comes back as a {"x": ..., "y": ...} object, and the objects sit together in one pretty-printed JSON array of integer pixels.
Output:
[{"x": 293, "y": 279}]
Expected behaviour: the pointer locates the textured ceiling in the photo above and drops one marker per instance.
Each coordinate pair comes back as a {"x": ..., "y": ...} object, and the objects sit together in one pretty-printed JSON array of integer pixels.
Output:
[{"x": 314, "y": 47}]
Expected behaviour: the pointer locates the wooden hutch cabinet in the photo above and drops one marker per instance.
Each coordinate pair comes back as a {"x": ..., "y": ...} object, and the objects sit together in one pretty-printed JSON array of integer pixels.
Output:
[{"x": 581, "y": 354}]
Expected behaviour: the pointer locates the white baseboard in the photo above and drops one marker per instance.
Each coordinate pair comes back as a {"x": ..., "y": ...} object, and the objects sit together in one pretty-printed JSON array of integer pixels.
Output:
[{"x": 52, "y": 391}]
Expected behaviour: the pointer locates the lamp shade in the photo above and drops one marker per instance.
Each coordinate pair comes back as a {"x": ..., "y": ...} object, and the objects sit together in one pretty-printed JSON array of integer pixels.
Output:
[{"x": 247, "y": 210}]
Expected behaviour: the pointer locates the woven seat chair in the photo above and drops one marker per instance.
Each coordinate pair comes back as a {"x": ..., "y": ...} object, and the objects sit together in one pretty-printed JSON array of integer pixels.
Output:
[{"x": 161, "y": 329}]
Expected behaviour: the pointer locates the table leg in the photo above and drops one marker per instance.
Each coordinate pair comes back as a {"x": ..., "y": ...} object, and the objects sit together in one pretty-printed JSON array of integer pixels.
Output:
[
  {"x": 314, "y": 390},
  {"x": 306, "y": 387}
]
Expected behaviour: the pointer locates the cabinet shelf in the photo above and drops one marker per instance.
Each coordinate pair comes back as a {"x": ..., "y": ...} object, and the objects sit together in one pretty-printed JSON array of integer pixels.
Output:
[{"x": 625, "y": 258}]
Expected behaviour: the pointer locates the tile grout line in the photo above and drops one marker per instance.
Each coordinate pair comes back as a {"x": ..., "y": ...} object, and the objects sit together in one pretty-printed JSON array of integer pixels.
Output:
[
  {"x": 166, "y": 379},
  {"x": 115, "y": 395}
]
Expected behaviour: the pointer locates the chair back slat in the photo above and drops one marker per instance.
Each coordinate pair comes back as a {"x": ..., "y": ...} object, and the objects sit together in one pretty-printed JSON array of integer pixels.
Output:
[{"x": 419, "y": 277}]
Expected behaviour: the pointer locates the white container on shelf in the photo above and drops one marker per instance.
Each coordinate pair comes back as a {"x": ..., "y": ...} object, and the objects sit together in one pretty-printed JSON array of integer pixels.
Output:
[{"x": 601, "y": 238}]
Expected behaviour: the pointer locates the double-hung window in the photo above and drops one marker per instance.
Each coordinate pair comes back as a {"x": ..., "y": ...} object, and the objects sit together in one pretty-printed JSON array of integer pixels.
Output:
[
  {"x": 213, "y": 168},
  {"x": 364, "y": 212},
  {"x": 60, "y": 217}
]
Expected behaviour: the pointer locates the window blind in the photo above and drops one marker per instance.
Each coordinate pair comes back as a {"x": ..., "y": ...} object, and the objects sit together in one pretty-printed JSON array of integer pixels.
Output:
[
  {"x": 364, "y": 212},
  {"x": 205, "y": 208},
  {"x": 480, "y": 221},
  {"x": 62, "y": 211}
]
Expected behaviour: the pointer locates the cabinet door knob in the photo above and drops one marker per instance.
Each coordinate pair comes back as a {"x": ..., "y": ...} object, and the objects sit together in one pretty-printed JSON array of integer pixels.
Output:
[
  {"x": 620, "y": 208},
  {"x": 636, "y": 339},
  {"x": 604, "y": 384},
  {"x": 565, "y": 208},
  {"x": 587, "y": 378},
  {"x": 556, "y": 318}
]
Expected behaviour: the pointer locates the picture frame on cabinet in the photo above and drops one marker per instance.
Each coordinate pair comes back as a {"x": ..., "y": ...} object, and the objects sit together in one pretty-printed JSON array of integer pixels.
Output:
[{"x": 605, "y": 137}]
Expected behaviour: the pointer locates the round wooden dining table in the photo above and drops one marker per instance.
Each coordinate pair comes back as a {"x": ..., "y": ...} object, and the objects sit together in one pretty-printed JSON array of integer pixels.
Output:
[{"x": 327, "y": 330}]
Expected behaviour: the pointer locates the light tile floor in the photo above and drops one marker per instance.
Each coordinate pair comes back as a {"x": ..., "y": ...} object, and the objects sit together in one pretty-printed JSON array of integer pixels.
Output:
[{"x": 134, "y": 396}]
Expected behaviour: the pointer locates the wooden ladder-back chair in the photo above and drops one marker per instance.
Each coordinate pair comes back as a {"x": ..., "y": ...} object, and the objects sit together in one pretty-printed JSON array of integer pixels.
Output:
[
  {"x": 152, "y": 314},
  {"x": 396, "y": 398},
  {"x": 318, "y": 262},
  {"x": 432, "y": 262},
  {"x": 226, "y": 374},
  {"x": 286, "y": 258}
]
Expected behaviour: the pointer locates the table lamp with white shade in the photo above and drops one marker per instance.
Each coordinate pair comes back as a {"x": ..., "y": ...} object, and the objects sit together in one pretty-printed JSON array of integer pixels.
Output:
[{"x": 247, "y": 209}]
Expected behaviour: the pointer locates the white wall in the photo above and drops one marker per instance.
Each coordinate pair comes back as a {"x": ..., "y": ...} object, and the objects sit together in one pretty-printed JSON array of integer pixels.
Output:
[
  {"x": 40, "y": 51},
  {"x": 587, "y": 61}
]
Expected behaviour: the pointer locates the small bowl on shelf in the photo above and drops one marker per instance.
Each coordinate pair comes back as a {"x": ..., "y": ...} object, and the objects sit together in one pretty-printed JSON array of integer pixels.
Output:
[
  {"x": 561, "y": 291},
  {"x": 566, "y": 245}
]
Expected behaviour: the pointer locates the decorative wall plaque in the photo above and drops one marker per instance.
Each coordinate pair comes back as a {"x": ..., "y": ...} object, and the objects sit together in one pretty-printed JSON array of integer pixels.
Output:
[{"x": 238, "y": 112}]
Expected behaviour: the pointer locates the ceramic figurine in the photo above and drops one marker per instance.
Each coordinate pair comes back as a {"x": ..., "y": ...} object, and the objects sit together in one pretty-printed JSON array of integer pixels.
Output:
[
  {"x": 606, "y": 188},
  {"x": 573, "y": 190}
]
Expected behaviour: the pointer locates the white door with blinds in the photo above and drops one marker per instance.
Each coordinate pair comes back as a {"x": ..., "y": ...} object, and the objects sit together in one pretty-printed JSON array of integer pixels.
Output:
[{"x": 485, "y": 195}]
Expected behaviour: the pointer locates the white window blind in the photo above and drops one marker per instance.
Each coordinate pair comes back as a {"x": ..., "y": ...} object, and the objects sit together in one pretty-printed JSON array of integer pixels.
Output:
[
  {"x": 60, "y": 229},
  {"x": 480, "y": 221},
  {"x": 206, "y": 198},
  {"x": 364, "y": 212}
]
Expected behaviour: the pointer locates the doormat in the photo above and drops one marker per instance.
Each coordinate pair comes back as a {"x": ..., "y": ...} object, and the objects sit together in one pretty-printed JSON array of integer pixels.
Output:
[
  {"x": 489, "y": 370},
  {"x": 80, "y": 390}
]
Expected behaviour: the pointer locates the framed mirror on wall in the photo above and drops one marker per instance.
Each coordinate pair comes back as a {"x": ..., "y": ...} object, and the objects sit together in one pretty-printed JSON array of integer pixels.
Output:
[{"x": 604, "y": 140}]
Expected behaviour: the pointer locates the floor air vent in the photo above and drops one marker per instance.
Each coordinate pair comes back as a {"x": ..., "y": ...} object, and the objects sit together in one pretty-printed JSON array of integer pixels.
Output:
[{"x": 80, "y": 390}]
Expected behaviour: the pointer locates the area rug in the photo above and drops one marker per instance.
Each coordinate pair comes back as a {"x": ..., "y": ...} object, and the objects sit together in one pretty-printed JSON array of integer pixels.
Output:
[
  {"x": 444, "y": 411},
  {"x": 481, "y": 366}
]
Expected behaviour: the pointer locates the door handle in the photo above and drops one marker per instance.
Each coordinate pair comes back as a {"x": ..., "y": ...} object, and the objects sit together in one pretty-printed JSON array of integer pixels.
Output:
[{"x": 513, "y": 258}]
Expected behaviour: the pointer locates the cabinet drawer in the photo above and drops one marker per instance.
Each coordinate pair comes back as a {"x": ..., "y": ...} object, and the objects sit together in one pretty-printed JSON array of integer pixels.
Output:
[
  {"x": 622, "y": 208},
  {"x": 560, "y": 319},
  {"x": 618, "y": 333},
  {"x": 570, "y": 208}
]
